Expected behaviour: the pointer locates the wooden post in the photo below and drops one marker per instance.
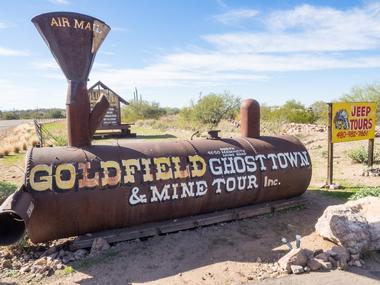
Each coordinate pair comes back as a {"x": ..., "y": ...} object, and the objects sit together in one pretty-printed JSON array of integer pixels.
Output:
[
  {"x": 330, "y": 148},
  {"x": 371, "y": 143}
]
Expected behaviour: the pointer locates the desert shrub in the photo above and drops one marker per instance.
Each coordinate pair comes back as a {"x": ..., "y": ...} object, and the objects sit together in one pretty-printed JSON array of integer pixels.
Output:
[
  {"x": 141, "y": 110},
  {"x": 6, "y": 189},
  {"x": 24, "y": 146},
  {"x": 6, "y": 150},
  {"x": 54, "y": 114},
  {"x": 16, "y": 149},
  {"x": 365, "y": 93},
  {"x": 10, "y": 116},
  {"x": 360, "y": 155},
  {"x": 365, "y": 192},
  {"x": 60, "y": 141},
  {"x": 320, "y": 110},
  {"x": 209, "y": 110},
  {"x": 1, "y": 154},
  {"x": 291, "y": 112},
  {"x": 186, "y": 119}
]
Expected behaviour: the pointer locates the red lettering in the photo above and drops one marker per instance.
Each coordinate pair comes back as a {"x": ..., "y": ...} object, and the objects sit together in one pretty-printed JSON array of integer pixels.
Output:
[
  {"x": 365, "y": 122},
  {"x": 353, "y": 111},
  {"x": 367, "y": 110},
  {"x": 360, "y": 111},
  {"x": 370, "y": 124}
]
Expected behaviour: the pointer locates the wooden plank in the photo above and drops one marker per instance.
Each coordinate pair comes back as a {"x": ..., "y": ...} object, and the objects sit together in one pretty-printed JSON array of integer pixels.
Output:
[
  {"x": 115, "y": 127},
  {"x": 152, "y": 229}
]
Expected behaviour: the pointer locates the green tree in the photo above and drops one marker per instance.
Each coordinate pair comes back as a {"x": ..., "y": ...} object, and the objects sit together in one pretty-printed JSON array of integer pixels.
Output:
[
  {"x": 365, "y": 93},
  {"x": 212, "y": 108},
  {"x": 140, "y": 110},
  {"x": 320, "y": 110},
  {"x": 293, "y": 112}
]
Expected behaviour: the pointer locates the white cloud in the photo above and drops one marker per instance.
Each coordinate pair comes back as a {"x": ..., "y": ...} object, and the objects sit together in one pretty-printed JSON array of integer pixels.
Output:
[
  {"x": 235, "y": 16},
  {"x": 12, "y": 52},
  {"x": 304, "y": 38},
  {"x": 3, "y": 25},
  {"x": 60, "y": 2},
  {"x": 308, "y": 28}
]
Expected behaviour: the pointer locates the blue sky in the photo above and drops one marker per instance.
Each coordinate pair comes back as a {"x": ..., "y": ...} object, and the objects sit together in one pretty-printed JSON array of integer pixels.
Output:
[{"x": 174, "y": 50}]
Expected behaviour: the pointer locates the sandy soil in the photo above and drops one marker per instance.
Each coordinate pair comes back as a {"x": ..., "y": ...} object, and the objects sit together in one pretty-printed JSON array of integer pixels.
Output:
[{"x": 229, "y": 253}]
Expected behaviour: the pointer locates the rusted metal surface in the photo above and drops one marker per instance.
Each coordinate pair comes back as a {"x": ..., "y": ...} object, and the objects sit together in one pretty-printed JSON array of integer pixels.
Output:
[
  {"x": 74, "y": 40},
  {"x": 75, "y": 190},
  {"x": 250, "y": 119}
]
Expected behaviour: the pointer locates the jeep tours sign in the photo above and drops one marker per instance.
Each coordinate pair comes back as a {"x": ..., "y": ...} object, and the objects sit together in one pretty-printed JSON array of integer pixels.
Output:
[{"x": 353, "y": 121}]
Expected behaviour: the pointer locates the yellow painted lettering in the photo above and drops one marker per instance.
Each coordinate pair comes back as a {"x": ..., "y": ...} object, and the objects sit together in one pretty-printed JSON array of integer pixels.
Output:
[
  {"x": 107, "y": 179},
  {"x": 65, "y": 184},
  {"x": 147, "y": 175},
  {"x": 86, "y": 181},
  {"x": 131, "y": 165},
  {"x": 178, "y": 173},
  {"x": 198, "y": 166},
  {"x": 88, "y": 26},
  {"x": 53, "y": 22},
  {"x": 78, "y": 24},
  {"x": 65, "y": 22},
  {"x": 44, "y": 182},
  {"x": 163, "y": 168}
]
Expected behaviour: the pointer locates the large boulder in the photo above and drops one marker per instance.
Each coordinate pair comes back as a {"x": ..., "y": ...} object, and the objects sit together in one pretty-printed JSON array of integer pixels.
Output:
[{"x": 354, "y": 225}]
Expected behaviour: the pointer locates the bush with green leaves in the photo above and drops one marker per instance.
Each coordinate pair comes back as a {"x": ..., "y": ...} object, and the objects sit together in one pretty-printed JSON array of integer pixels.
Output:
[
  {"x": 360, "y": 155},
  {"x": 209, "y": 110},
  {"x": 6, "y": 189},
  {"x": 291, "y": 112},
  {"x": 141, "y": 110},
  {"x": 365, "y": 93},
  {"x": 365, "y": 192}
]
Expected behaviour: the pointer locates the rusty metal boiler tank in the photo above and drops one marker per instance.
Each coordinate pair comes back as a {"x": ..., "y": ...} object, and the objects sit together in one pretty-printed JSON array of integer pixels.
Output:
[{"x": 85, "y": 188}]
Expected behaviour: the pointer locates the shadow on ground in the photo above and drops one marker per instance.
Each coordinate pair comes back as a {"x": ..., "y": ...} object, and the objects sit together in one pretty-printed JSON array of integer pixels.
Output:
[{"x": 203, "y": 255}]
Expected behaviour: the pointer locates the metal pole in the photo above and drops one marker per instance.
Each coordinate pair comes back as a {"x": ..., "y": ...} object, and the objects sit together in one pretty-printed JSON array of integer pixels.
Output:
[
  {"x": 330, "y": 148},
  {"x": 371, "y": 143}
]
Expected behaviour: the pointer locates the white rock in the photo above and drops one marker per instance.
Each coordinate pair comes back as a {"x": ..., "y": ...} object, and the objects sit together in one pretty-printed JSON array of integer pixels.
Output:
[
  {"x": 355, "y": 224},
  {"x": 296, "y": 269},
  {"x": 296, "y": 256}
]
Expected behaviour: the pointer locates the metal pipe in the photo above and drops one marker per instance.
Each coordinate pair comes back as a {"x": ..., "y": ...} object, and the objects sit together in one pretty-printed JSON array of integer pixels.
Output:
[
  {"x": 250, "y": 119},
  {"x": 74, "y": 40}
]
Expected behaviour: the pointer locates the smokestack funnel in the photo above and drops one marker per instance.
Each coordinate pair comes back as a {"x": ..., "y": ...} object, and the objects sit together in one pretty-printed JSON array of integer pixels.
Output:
[{"x": 74, "y": 40}]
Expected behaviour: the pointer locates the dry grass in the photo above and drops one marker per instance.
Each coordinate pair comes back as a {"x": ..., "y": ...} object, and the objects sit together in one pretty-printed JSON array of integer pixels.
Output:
[{"x": 17, "y": 139}]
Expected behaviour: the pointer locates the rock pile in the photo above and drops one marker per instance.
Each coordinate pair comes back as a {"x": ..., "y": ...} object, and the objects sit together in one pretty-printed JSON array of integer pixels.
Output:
[
  {"x": 300, "y": 260},
  {"x": 371, "y": 172},
  {"x": 294, "y": 128},
  {"x": 39, "y": 261}
]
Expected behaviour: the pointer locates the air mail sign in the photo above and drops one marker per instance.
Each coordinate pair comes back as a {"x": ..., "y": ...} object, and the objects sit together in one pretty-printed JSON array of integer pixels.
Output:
[{"x": 353, "y": 121}]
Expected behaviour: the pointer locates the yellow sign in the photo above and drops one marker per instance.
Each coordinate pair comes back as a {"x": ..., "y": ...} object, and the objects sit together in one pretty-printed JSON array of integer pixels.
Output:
[{"x": 353, "y": 121}]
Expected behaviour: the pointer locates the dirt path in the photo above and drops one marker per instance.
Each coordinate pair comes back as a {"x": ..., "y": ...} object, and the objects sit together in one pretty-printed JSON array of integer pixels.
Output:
[
  {"x": 370, "y": 275},
  {"x": 5, "y": 124}
]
